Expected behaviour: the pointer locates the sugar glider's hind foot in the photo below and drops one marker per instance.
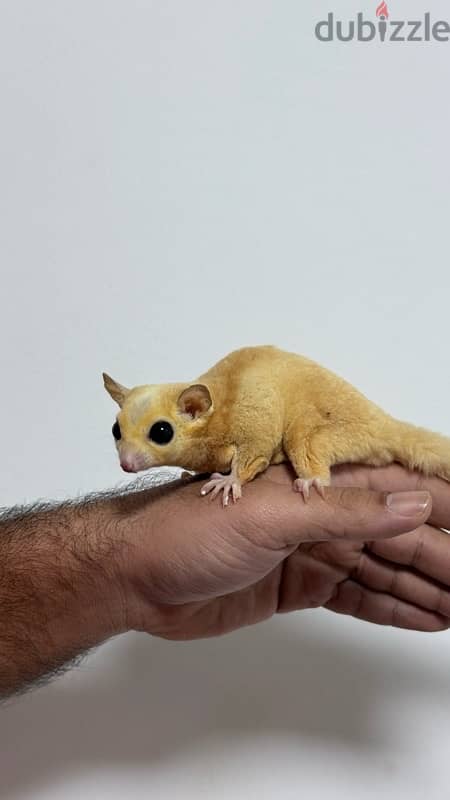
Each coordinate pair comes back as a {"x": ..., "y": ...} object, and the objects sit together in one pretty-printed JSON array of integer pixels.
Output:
[
  {"x": 303, "y": 485},
  {"x": 228, "y": 484}
]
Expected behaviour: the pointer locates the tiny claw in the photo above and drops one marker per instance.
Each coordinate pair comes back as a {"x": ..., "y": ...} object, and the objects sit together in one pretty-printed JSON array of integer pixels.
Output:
[
  {"x": 214, "y": 494},
  {"x": 226, "y": 483},
  {"x": 303, "y": 486},
  {"x": 320, "y": 488},
  {"x": 236, "y": 492}
]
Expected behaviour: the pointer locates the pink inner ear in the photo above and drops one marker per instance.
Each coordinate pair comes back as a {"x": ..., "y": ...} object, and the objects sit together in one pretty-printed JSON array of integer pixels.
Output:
[
  {"x": 195, "y": 401},
  {"x": 191, "y": 407}
]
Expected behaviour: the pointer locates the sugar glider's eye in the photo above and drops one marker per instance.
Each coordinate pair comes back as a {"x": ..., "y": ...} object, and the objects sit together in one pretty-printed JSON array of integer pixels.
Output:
[
  {"x": 116, "y": 431},
  {"x": 161, "y": 432}
]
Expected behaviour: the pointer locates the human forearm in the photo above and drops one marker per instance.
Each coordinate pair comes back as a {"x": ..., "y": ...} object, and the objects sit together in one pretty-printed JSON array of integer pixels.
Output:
[
  {"x": 59, "y": 590},
  {"x": 167, "y": 562}
]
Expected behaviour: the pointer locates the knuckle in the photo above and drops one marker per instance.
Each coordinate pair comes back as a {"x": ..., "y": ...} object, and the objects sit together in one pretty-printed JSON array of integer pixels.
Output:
[
  {"x": 396, "y": 616},
  {"x": 394, "y": 586},
  {"x": 360, "y": 503},
  {"x": 417, "y": 554}
]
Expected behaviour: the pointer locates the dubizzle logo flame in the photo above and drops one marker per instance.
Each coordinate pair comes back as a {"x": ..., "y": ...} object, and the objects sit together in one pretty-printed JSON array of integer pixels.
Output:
[{"x": 382, "y": 10}]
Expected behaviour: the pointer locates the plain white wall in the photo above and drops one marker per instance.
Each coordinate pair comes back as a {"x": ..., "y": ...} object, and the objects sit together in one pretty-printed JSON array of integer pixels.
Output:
[{"x": 177, "y": 179}]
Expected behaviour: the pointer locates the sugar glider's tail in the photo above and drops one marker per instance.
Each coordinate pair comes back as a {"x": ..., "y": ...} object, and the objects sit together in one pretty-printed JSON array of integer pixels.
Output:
[{"x": 420, "y": 449}]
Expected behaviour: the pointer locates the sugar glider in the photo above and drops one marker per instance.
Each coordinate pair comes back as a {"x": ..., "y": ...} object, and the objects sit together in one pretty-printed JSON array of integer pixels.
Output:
[{"x": 261, "y": 406}]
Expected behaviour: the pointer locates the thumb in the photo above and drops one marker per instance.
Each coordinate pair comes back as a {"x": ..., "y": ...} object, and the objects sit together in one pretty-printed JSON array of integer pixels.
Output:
[{"x": 283, "y": 517}]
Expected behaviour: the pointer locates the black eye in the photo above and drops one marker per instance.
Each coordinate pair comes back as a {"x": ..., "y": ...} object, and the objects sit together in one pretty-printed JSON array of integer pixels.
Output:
[
  {"x": 161, "y": 432},
  {"x": 116, "y": 431}
]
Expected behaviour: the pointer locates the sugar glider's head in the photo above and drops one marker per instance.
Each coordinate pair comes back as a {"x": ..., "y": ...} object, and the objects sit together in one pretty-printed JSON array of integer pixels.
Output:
[{"x": 157, "y": 425}]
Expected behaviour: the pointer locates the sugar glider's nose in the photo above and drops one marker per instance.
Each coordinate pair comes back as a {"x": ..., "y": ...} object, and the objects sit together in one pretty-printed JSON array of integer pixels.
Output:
[
  {"x": 131, "y": 462},
  {"x": 127, "y": 466}
]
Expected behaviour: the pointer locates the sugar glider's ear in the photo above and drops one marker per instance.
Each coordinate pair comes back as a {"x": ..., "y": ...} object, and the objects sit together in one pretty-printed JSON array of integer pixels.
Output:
[
  {"x": 116, "y": 390},
  {"x": 195, "y": 401}
]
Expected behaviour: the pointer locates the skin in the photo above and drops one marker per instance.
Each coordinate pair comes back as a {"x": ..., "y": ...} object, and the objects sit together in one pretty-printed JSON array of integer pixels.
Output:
[{"x": 168, "y": 562}]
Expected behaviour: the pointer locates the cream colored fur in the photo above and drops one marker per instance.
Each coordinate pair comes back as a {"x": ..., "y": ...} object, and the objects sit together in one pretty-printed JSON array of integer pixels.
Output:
[{"x": 261, "y": 405}]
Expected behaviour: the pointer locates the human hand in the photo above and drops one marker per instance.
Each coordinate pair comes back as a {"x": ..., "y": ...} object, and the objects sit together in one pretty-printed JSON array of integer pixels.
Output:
[
  {"x": 195, "y": 569},
  {"x": 402, "y": 581}
]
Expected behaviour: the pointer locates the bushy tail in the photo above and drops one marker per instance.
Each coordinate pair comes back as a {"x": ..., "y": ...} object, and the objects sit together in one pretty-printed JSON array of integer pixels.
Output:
[{"x": 420, "y": 449}]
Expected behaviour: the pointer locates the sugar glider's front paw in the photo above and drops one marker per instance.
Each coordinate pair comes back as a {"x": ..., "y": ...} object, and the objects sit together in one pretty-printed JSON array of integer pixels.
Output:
[
  {"x": 303, "y": 485},
  {"x": 226, "y": 483}
]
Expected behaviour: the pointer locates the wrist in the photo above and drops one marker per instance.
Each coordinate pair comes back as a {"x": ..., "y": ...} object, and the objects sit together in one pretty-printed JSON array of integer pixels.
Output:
[
  {"x": 147, "y": 556},
  {"x": 96, "y": 557}
]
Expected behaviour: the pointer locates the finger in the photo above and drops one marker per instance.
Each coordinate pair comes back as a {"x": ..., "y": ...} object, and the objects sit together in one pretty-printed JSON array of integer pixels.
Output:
[
  {"x": 396, "y": 478},
  {"x": 347, "y": 513},
  {"x": 426, "y": 550},
  {"x": 311, "y": 573},
  {"x": 208, "y": 487},
  {"x": 383, "y": 609},
  {"x": 213, "y": 493},
  {"x": 402, "y": 583}
]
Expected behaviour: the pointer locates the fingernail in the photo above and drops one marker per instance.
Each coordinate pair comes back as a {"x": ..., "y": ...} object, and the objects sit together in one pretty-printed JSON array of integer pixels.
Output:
[{"x": 408, "y": 504}]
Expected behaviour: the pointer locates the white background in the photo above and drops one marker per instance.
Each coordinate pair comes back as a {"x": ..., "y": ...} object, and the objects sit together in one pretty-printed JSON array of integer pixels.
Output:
[{"x": 178, "y": 179}]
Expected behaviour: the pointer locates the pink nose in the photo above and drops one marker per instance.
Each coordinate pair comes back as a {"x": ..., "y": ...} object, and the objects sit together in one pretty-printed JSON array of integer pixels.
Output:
[{"x": 128, "y": 466}]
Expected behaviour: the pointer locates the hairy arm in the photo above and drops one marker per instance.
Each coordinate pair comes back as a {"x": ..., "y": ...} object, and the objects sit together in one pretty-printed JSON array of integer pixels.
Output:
[
  {"x": 59, "y": 592},
  {"x": 168, "y": 562}
]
